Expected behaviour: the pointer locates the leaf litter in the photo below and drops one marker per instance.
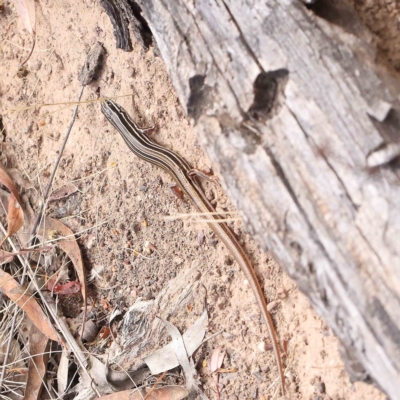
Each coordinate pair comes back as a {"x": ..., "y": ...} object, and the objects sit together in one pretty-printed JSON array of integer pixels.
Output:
[
  {"x": 178, "y": 351},
  {"x": 38, "y": 349},
  {"x": 42, "y": 329}
]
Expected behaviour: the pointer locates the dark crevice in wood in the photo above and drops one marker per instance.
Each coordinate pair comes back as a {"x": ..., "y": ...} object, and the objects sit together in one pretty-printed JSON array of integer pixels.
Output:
[
  {"x": 266, "y": 88},
  {"x": 121, "y": 12},
  {"x": 139, "y": 25},
  {"x": 336, "y": 232},
  {"x": 215, "y": 63},
  {"x": 390, "y": 126},
  {"x": 339, "y": 13},
  {"x": 121, "y": 32},
  {"x": 200, "y": 98}
]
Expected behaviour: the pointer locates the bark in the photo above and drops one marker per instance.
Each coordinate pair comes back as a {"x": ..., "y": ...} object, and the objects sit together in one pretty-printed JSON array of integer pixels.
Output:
[{"x": 290, "y": 104}]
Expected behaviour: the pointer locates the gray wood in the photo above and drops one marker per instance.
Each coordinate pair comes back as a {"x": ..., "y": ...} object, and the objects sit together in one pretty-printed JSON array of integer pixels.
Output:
[{"x": 304, "y": 128}]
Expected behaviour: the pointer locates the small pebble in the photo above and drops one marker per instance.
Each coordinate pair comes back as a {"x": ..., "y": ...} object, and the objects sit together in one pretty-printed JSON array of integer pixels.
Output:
[
  {"x": 228, "y": 260},
  {"x": 196, "y": 275},
  {"x": 221, "y": 303},
  {"x": 178, "y": 260},
  {"x": 280, "y": 292},
  {"x": 289, "y": 376},
  {"x": 262, "y": 346},
  {"x": 321, "y": 387}
]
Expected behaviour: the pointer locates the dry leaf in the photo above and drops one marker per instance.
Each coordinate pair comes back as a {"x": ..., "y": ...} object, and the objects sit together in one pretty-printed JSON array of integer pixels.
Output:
[
  {"x": 71, "y": 248},
  {"x": 217, "y": 357},
  {"x": 104, "y": 333},
  {"x": 165, "y": 359},
  {"x": 5, "y": 257},
  {"x": 62, "y": 374},
  {"x": 11, "y": 288},
  {"x": 164, "y": 393},
  {"x": 59, "y": 275},
  {"x": 90, "y": 332},
  {"x": 63, "y": 192},
  {"x": 178, "y": 346},
  {"x": 26, "y": 10},
  {"x": 17, "y": 375},
  {"x": 38, "y": 349},
  {"x": 7, "y": 181},
  {"x": 105, "y": 304},
  {"x": 67, "y": 288},
  {"x": 15, "y": 214}
]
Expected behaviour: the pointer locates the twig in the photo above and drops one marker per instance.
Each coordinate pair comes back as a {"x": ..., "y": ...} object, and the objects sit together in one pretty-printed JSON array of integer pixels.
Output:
[
  {"x": 70, "y": 340},
  {"x": 155, "y": 384},
  {"x": 33, "y": 234},
  {"x": 210, "y": 337},
  {"x": 30, "y": 53},
  {"x": 47, "y": 192}
]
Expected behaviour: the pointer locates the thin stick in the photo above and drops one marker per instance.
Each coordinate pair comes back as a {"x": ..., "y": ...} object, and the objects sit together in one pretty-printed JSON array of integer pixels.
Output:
[
  {"x": 155, "y": 385},
  {"x": 65, "y": 103},
  {"x": 30, "y": 53},
  {"x": 59, "y": 322},
  {"x": 33, "y": 234},
  {"x": 47, "y": 192}
]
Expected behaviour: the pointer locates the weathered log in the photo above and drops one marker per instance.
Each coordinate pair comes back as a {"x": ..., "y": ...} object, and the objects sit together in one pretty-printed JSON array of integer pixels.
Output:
[
  {"x": 290, "y": 105},
  {"x": 121, "y": 12}
]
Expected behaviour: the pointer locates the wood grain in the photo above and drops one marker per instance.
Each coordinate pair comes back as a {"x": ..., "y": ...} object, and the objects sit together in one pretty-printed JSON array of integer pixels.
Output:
[{"x": 294, "y": 112}]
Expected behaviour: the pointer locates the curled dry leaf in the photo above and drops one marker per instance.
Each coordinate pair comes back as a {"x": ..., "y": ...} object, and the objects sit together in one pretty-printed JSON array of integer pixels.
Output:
[
  {"x": 71, "y": 248},
  {"x": 11, "y": 288},
  {"x": 38, "y": 349},
  {"x": 103, "y": 334},
  {"x": 59, "y": 275},
  {"x": 15, "y": 214},
  {"x": 217, "y": 357},
  {"x": 90, "y": 332},
  {"x": 26, "y": 10},
  {"x": 164, "y": 393},
  {"x": 67, "y": 288}
]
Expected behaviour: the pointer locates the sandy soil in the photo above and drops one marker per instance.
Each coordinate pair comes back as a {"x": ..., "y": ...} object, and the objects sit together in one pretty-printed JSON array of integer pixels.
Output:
[{"x": 121, "y": 202}]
